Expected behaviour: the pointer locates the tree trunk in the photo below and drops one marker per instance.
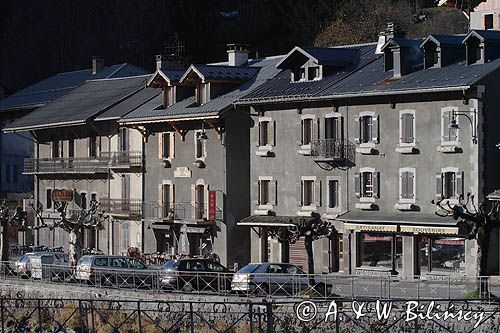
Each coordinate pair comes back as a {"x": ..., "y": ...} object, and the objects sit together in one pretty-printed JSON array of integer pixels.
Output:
[
  {"x": 482, "y": 262},
  {"x": 308, "y": 240},
  {"x": 4, "y": 246},
  {"x": 75, "y": 245}
]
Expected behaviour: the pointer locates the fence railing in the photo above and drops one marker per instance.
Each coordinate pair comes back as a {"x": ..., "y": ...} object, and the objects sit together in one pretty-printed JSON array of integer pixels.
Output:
[
  {"x": 131, "y": 208},
  {"x": 19, "y": 314},
  {"x": 269, "y": 285},
  {"x": 174, "y": 211},
  {"x": 73, "y": 165},
  {"x": 333, "y": 150}
]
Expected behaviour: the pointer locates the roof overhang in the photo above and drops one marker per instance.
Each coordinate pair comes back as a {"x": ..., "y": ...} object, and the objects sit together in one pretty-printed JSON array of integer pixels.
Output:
[
  {"x": 44, "y": 126},
  {"x": 159, "y": 74},
  {"x": 161, "y": 119},
  {"x": 192, "y": 72}
]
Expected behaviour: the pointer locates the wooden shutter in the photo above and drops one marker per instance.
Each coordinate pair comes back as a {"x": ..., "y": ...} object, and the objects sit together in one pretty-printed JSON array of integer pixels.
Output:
[
  {"x": 171, "y": 147},
  {"x": 317, "y": 193},
  {"x": 160, "y": 210},
  {"x": 160, "y": 145},
  {"x": 404, "y": 185},
  {"x": 357, "y": 129},
  {"x": 403, "y": 127},
  {"x": 299, "y": 193},
  {"x": 205, "y": 199},
  {"x": 274, "y": 192},
  {"x": 447, "y": 134},
  {"x": 410, "y": 136},
  {"x": 439, "y": 186},
  {"x": 411, "y": 190},
  {"x": 256, "y": 192},
  {"x": 193, "y": 201},
  {"x": 375, "y": 129},
  {"x": 376, "y": 184},
  {"x": 315, "y": 124},
  {"x": 272, "y": 132},
  {"x": 460, "y": 184},
  {"x": 300, "y": 132},
  {"x": 357, "y": 184},
  {"x": 256, "y": 131}
]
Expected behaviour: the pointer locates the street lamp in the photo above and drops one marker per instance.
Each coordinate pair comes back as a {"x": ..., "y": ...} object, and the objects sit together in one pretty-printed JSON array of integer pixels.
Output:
[
  {"x": 473, "y": 122},
  {"x": 203, "y": 135}
]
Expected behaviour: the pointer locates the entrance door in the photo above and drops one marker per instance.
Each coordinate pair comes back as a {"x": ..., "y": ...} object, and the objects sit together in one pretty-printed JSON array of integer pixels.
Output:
[
  {"x": 333, "y": 128},
  {"x": 298, "y": 255}
]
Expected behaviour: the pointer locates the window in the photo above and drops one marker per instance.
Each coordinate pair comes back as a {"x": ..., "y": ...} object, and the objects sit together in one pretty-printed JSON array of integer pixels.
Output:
[
  {"x": 309, "y": 192},
  {"x": 299, "y": 75},
  {"x": 168, "y": 95},
  {"x": 265, "y": 132},
  {"x": 166, "y": 145},
  {"x": 407, "y": 128},
  {"x": 307, "y": 125},
  {"x": 367, "y": 184},
  {"x": 313, "y": 73},
  {"x": 93, "y": 146},
  {"x": 119, "y": 262},
  {"x": 123, "y": 139},
  {"x": 7, "y": 173},
  {"x": 367, "y": 128},
  {"x": 83, "y": 200},
  {"x": 333, "y": 193},
  {"x": 334, "y": 128},
  {"x": 199, "y": 201},
  {"x": 449, "y": 134},
  {"x": 167, "y": 199},
  {"x": 56, "y": 149},
  {"x": 215, "y": 267},
  {"x": 407, "y": 185},
  {"x": 49, "y": 198},
  {"x": 93, "y": 197},
  {"x": 199, "y": 146},
  {"x": 441, "y": 254},
  {"x": 135, "y": 264},
  {"x": 71, "y": 148},
  {"x": 203, "y": 93},
  {"x": 101, "y": 262},
  {"x": 488, "y": 21},
  {"x": 449, "y": 184},
  {"x": 266, "y": 192},
  {"x": 376, "y": 250}
]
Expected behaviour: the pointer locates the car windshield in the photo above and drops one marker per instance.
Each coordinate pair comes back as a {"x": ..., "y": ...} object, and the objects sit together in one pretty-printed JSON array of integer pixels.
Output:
[
  {"x": 84, "y": 261},
  {"x": 249, "y": 268},
  {"x": 171, "y": 264},
  {"x": 24, "y": 259}
]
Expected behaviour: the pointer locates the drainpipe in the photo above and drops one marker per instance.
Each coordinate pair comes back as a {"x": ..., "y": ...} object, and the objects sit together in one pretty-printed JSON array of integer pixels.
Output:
[
  {"x": 37, "y": 192},
  {"x": 143, "y": 191},
  {"x": 108, "y": 195}
]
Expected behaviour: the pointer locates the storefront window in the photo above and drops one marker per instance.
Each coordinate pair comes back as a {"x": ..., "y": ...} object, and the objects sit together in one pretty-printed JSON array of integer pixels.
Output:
[
  {"x": 376, "y": 250},
  {"x": 446, "y": 254}
]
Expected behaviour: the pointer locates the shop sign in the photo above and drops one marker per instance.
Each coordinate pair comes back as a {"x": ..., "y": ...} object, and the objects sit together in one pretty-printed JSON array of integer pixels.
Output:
[
  {"x": 194, "y": 230},
  {"x": 430, "y": 230},
  {"x": 62, "y": 195},
  {"x": 371, "y": 227},
  {"x": 182, "y": 172},
  {"x": 212, "y": 205}
]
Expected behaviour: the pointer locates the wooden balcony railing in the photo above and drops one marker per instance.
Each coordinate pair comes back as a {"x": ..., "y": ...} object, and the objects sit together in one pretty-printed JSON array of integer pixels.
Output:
[{"x": 83, "y": 165}]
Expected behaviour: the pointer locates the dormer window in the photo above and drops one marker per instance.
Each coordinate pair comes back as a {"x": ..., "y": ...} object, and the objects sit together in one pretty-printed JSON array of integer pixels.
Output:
[
  {"x": 474, "y": 51},
  {"x": 432, "y": 56},
  {"x": 203, "y": 93},
  {"x": 299, "y": 75},
  {"x": 306, "y": 73},
  {"x": 168, "y": 96}
]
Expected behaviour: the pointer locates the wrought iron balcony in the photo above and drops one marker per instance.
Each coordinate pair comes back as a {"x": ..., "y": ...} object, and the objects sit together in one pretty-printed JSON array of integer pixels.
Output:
[
  {"x": 185, "y": 211},
  {"x": 131, "y": 208},
  {"x": 331, "y": 150},
  {"x": 83, "y": 165}
]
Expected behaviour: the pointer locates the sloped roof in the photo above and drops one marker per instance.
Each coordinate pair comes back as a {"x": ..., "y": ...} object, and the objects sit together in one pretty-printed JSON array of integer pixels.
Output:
[
  {"x": 338, "y": 57},
  {"x": 170, "y": 75},
  {"x": 444, "y": 40},
  {"x": 56, "y": 86},
  {"x": 220, "y": 72},
  {"x": 484, "y": 35},
  {"x": 119, "y": 110},
  {"x": 368, "y": 78},
  {"x": 264, "y": 69},
  {"x": 83, "y": 103}
]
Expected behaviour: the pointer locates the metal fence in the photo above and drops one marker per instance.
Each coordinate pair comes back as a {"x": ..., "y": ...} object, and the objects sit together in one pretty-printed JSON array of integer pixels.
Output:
[
  {"x": 333, "y": 150},
  {"x": 268, "y": 285},
  {"x": 19, "y": 314}
]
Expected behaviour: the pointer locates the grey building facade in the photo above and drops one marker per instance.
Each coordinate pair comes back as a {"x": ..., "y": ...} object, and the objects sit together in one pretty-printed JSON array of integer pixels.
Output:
[{"x": 365, "y": 137}]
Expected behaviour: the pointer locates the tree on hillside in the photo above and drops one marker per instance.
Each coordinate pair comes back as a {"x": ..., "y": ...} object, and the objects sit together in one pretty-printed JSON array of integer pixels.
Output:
[
  {"x": 474, "y": 222},
  {"x": 73, "y": 223}
]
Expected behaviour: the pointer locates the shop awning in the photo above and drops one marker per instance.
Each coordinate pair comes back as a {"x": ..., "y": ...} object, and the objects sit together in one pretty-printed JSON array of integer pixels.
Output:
[
  {"x": 430, "y": 230},
  {"x": 275, "y": 221},
  {"x": 371, "y": 227}
]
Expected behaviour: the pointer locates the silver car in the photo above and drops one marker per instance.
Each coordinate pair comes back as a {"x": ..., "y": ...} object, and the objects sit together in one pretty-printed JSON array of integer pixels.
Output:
[
  {"x": 22, "y": 266},
  {"x": 278, "y": 278}
]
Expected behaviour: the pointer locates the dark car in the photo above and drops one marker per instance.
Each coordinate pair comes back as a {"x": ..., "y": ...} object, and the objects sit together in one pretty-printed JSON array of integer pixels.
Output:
[{"x": 195, "y": 274}]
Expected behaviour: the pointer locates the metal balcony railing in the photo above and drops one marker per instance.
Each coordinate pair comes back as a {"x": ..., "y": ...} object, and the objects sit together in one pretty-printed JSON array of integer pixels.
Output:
[
  {"x": 177, "y": 211},
  {"x": 131, "y": 208},
  {"x": 83, "y": 165},
  {"x": 332, "y": 150}
]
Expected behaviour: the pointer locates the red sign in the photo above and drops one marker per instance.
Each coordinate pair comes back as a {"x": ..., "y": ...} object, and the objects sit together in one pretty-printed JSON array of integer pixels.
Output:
[
  {"x": 212, "y": 205},
  {"x": 62, "y": 195}
]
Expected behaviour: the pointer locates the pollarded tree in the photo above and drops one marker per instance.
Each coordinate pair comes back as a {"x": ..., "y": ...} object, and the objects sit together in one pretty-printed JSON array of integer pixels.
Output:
[
  {"x": 9, "y": 219},
  {"x": 73, "y": 223},
  {"x": 474, "y": 222}
]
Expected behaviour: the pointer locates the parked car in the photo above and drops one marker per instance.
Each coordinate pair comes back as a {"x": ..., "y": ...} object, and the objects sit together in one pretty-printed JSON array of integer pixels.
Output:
[
  {"x": 277, "y": 278},
  {"x": 22, "y": 266},
  {"x": 195, "y": 274},
  {"x": 121, "y": 271},
  {"x": 50, "y": 266}
]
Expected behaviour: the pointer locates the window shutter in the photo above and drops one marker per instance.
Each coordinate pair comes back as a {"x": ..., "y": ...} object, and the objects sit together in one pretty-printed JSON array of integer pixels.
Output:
[
  {"x": 272, "y": 133},
  {"x": 172, "y": 195},
  {"x": 160, "y": 145},
  {"x": 410, "y": 136},
  {"x": 376, "y": 183},
  {"x": 357, "y": 184},
  {"x": 205, "y": 199},
  {"x": 300, "y": 132},
  {"x": 404, "y": 185},
  {"x": 315, "y": 129},
  {"x": 274, "y": 193},
  {"x": 257, "y": 134},
  {"x": 299, "y": 193},
  {"x": 403, "y": 128},
  {"x": 120, "y": 139},
  {"x": 89, "y": 139},
  {"x": 256, "y": 193},
  {"x": 193, "y": 201},
  {"x": 98, "y": 146},
  {"x": 439, "y": 186},
  {"x": 317, "y": 193},
  {"x": 172, "y": 144},
  {"x": 445, "y": 123},
  {"x": 460, "y": 184},
  {"x": 375, "y": 129},
  {"x": 411, "y": 190},
  {"x": 357, "y": 129}
]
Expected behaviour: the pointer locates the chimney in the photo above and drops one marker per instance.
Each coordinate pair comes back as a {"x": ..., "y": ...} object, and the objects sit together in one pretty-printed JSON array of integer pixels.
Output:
[
  {"x": 237, "y": 54},
  {"x": 160, "y": 61},
  {"x": 97, "y": 64},
  {"x": 392, "y": 30}
]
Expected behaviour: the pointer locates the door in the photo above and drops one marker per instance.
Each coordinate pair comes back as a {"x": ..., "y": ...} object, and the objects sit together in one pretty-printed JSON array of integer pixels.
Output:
[{"x": 298, "y": 254}]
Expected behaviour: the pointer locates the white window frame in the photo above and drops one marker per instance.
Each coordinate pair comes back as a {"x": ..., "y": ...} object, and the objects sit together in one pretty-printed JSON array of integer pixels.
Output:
[
  {"x": 312, "y": 117},
  {"x": 312, "y": 206},
  {"x": 362, "y": 198},
  {"x": 198, "y": 182},
  {"x": 270, "y": 179},
  {"x": 407, "y": 144},
  {"x": 161, "y": 148},
  {"x": 444, "y": 127},
  {"x": 454, "y": 199},
  {"x": 171, "y": 193},
  {"x": 204, "y": 146},
  {"x": 338, "y": 208},
  {"x": 370, "y": 143},
  {"x": 269, "y": 145},
  {"x": 87, "y": 201},
  {"x": 406, "y": 200}
]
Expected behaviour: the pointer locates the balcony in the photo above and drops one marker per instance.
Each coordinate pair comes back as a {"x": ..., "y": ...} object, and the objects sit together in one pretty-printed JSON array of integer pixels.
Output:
[
  {"x": 333, "y": 151},
  {"x": 83, "y": 165},
  {"x": 184, "y": 211},
  {"x": 130, "y": 208}
]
